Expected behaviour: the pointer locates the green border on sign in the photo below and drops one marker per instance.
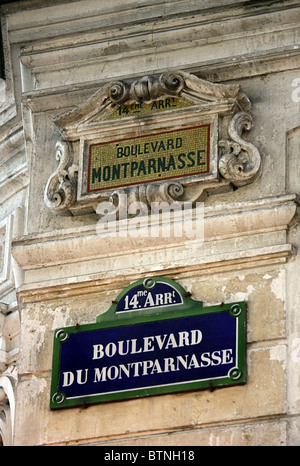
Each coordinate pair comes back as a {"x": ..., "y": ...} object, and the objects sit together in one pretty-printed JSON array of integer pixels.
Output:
[{"x": 110, "y": 319}]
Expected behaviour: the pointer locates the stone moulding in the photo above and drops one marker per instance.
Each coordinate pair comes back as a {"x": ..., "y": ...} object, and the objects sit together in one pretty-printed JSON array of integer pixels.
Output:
[
  {"x": 178, "y": 83},
  {"x": 77, "y": 261},
  {"x": 242, "y": 219},
  {"x": 234, "y": 161}
]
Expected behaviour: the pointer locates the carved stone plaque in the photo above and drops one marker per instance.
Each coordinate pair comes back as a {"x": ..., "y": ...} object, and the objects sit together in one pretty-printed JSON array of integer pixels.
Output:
[{"x": 170, "y": 137}]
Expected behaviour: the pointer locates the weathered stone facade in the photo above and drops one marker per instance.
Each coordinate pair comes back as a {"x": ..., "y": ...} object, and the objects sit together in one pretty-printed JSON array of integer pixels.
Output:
[{"x": 62, "y": 61}]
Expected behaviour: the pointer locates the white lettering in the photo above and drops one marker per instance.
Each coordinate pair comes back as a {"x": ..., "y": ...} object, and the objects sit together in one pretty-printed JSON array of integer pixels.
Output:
[
  {"x": 166, "y": 341},
  {"x": 98, "y": 352},
  {"x": 168, "y": 298},
  {"x": 133, "y": 347},
  {"x": 148, "y": 344},
  {"x": 196, "y": 337},
  {"x": 112, "y": 372},
  {"x": 126, "y": 370},
  {"x": 79, "y": 377},
  {"x": 100, "y": 374},
  {"x": 136, "y": 366},
  {"x": 121, "y": 347},
  {"x": 169, "y": 365},
  {"x": 183, "y": 338},
  {"x": 183, "y": 362},
  {"x": 156, "y": 367},
  {"x": 149, "y": 367},
  {"x": 159, "y": 299},
  {"x": 160, "y": 342},
  {"x": 194, "y": 362},
  {"x": 68, "y": 379},
  {"x": 149, "y": 300},
  {"x": 205, "y": 358},
  {"x": 216, "y": 358},
  {"x": 171, "y": 341},
  {"x": 110, "y": 350},
  {"x": 227, "y": 356}
]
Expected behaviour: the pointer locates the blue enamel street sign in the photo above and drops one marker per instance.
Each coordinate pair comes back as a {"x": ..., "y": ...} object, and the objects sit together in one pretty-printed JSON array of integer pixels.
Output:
[{"x": 154, "y": 339}]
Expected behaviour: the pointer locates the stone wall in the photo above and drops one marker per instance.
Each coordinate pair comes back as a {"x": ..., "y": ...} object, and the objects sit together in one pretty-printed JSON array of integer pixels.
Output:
[{"x": 56, "y": 271}]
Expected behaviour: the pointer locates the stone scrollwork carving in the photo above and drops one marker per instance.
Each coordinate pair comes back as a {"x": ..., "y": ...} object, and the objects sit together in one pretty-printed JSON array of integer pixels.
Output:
[
  {"x": 144, "y": 195},
  {"x": 184, "y": 85},
  {"x": 61, "y": 189},
  {"x": 169, "y": 191},
  {"x": 240, "y": 163},
  {"x": 8, "y": 382},
  {"x": 147, "y": 88},
  {"x": 181, "y": 84}
]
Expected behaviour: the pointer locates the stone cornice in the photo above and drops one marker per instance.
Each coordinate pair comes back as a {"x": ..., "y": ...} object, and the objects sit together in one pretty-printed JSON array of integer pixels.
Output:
[
  {"x": 166, "y": 38},
  {"x": 216, "y": 264},
  {"x": 48, "y": 260},
  {"x": 185, "y": 86}
]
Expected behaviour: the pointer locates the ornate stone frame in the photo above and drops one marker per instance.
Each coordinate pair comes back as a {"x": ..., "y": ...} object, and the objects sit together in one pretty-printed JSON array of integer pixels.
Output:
[{"x": 234, "y": 161}]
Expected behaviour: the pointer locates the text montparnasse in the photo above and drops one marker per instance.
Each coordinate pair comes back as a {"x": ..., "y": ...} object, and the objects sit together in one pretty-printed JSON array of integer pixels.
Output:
[{"x": 113, "y": 350}]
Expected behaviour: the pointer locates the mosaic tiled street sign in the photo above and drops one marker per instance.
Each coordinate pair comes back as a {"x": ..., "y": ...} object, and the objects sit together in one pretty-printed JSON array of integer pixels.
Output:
[
  {"x": 172, "y": 137},
  {"x": 151, "y": 157}
]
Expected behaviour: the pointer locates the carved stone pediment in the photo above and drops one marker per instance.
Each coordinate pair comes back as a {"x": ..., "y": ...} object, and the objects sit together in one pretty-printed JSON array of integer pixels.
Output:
[{"x": 148, "y": 114}]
